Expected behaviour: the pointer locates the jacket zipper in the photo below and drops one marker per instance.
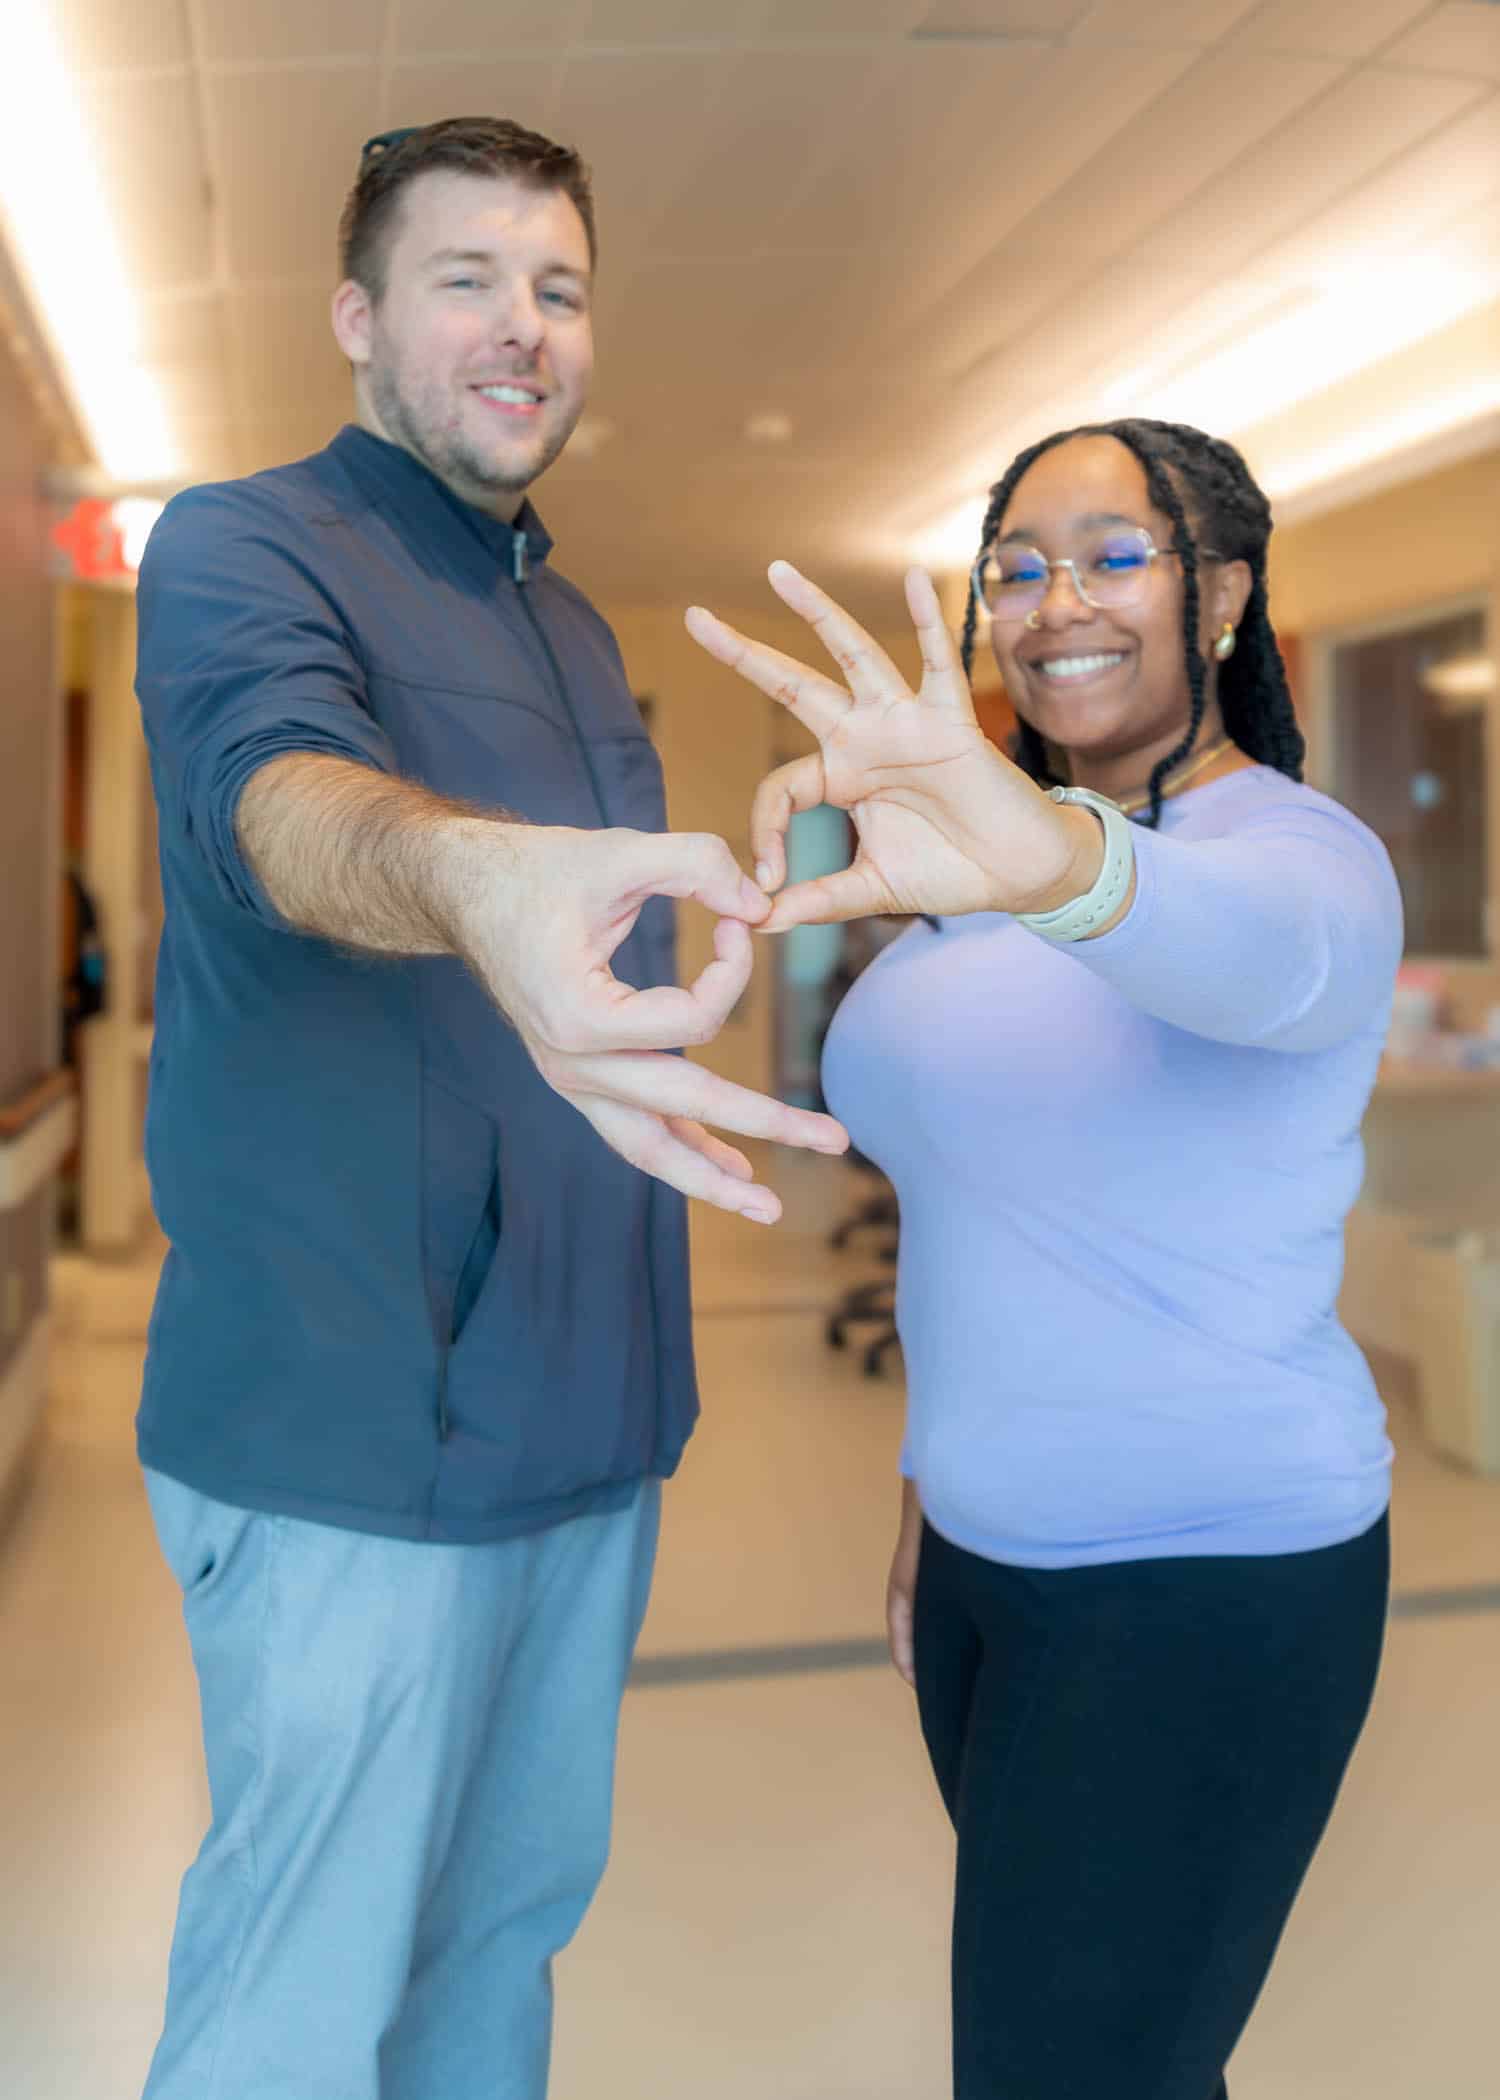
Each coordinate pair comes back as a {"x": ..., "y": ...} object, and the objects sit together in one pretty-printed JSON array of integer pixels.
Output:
[{"x": 520, "y": 569}]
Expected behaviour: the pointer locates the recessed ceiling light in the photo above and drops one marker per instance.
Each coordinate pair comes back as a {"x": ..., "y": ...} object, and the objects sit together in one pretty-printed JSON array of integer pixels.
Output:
[{"x": 769, "y": 428}]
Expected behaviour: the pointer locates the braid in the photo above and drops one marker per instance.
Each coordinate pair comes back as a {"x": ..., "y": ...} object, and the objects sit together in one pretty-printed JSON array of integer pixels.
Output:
[
  {"x": 1166, "y": 498},
  {"x": 1187, "y": 470},
  {"x": 1029, "y": 749}
]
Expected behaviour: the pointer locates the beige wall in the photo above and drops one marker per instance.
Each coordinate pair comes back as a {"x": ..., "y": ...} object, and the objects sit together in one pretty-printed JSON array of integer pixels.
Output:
[
  {"x": 1429, "y": 540},
  {"x": 1420, "y": 545},
  {"x": 29, "y": 809}
]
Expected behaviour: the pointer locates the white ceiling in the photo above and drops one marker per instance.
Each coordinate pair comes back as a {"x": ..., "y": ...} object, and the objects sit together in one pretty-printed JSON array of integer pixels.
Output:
[{"x": 925, "y": 230}]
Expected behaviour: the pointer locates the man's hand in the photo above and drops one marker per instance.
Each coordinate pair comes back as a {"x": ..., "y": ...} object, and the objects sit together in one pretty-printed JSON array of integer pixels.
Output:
[
  {"x": 901, "y": 1590},
  {"x": 538, "y": 912}
]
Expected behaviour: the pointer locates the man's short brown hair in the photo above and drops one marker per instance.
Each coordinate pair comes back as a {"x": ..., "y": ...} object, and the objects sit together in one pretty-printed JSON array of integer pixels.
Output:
[{"x": 463, "y": 145}]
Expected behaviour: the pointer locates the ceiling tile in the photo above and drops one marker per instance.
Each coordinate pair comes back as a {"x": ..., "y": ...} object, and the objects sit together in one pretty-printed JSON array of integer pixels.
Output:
[
  {"x": 1044, "y": 18},
  {"x": 626, "y": 22},
  {"x": 1456, "y": 171},
  {"x": 300, "y": 427},
  {"x": 285, "y": 151},
  {"x": 777, "y": 124},
  {"x": 1217, "y": 112},
  {"x": 98, "y": 33},
  {"x": 146, "y": 139},
  {"x": 198, "y": 390},
  {"x": 912, "y": 144},
  {"x": 639, "y": 120},
  {"x": 425, "y": 28},
  {"x": 187, "y": 329},
  {"x": 1322, "y": 154},
  {"x": 842, "y": 17},
  {"x": 1332, "y": 29},
  {"x": 1020, "y": 155},
  {"x": 1462, "y": 38},
  {"x": 274, "y": 32},
  {"x": 275, "y": 335},
  {"x": 1163, "y": 21},
  {"x": 426, "y": 91},
  {"x": 734, "y": 333}
]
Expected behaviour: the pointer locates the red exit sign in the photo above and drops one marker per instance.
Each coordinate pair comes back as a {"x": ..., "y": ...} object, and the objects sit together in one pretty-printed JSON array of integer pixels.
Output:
[{"x": 101, "y": 539}]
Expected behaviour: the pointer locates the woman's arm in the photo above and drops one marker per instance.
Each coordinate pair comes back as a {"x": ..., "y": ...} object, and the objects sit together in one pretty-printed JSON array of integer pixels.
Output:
[{"x": 1284, "y": 936}]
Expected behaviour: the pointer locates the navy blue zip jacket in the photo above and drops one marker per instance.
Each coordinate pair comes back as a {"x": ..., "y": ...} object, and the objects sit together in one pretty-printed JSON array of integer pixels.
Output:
[{"x": 409, "y": 1290}]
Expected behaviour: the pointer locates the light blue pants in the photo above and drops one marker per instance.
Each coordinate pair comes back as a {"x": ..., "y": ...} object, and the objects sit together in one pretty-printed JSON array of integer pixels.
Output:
[{"x": 411, "y": 1760}]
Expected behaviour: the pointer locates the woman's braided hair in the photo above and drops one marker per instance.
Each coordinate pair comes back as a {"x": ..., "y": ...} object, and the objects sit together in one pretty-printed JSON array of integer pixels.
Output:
[{"x": 1187, "y": 470}]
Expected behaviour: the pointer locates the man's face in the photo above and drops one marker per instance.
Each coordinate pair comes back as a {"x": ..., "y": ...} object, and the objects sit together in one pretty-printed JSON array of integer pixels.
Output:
[{"x": 478, "y": 355}]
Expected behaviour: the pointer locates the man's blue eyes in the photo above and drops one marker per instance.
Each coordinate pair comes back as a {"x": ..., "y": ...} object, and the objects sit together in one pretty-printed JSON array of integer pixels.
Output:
[{"x": 569, "y": 301}]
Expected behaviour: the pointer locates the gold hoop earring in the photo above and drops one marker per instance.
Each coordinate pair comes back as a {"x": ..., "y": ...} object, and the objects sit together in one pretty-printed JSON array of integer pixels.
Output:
[
  {"x": 1034, "y": 618},
  {"x": 1224, "y": 646}
]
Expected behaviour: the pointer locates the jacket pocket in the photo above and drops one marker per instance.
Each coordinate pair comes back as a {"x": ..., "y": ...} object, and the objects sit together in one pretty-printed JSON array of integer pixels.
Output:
[{"x": 461, "y": 1212}]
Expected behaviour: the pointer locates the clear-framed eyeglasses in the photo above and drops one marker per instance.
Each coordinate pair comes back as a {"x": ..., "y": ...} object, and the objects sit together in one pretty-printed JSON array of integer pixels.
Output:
[{"x": 1110, "y": 569}]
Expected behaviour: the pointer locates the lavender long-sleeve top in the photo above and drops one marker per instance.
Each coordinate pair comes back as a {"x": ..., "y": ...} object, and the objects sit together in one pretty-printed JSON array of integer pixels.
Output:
[{"x": 1124, "y": 1168}]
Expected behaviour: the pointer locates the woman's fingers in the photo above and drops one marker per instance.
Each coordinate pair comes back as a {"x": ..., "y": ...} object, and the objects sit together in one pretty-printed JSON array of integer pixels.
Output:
[
  {"x": 900, "y": 1620},
  {"x": 943, "y": 680},
  {"x": 870, "y": 672},
  {"x": 815, "y": 700},
  {"x": 782, "y": 795},
  {"x": 853, "y": 893}
]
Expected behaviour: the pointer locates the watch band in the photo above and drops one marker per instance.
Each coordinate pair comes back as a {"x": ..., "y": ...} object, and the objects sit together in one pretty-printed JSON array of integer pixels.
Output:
[{"x": 1077, "y": 920}]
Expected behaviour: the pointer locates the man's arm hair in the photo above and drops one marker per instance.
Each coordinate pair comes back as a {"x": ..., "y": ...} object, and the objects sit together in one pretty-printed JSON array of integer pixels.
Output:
[{"x": 363, "y": 859}]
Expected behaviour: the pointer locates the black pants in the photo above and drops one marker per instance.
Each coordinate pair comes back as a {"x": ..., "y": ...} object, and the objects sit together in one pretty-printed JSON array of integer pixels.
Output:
[{"x": 1139, "y": 1760}]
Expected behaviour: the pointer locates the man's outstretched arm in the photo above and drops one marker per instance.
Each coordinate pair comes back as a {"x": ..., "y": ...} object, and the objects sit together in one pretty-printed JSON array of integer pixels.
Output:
[{"x": 536, "y": 912}]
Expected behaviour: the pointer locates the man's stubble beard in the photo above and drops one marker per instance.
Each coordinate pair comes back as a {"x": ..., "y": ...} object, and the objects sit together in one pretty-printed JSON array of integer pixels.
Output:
[{"x": 449, "y": 455}]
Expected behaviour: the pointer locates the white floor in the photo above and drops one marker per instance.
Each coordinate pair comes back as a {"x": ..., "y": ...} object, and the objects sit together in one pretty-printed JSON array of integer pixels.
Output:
[{"x": 775, "y": 1918}]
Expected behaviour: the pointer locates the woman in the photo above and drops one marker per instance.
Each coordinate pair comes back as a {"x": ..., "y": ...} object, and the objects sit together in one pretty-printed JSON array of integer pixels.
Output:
[{"x": 1117, "y": 1080}]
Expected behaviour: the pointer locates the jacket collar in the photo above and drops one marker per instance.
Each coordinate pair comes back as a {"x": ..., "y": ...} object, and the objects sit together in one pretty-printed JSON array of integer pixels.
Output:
[{"x": 397, "y": 479}]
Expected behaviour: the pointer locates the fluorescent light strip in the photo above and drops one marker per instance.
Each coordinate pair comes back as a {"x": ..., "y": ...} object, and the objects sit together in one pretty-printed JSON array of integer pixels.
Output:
[
  {"x": 63, "y": 236},
  {"x": 1421, "y": 424},
  {"x": 1353, "y": 325}
]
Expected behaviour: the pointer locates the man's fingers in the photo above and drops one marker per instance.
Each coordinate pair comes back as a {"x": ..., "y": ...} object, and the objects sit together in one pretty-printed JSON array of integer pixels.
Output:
[
  {"x": 815, "y": 700},
  {"x": 670, "y": 1086},
  {"x": 853, "y": 893},
  {"x": 870, "y": 672},
  {"x": 781, "y": 795},
  {"x": 943, "y": 680},
  {"x": 713, "y": 1149},
  {"x": 658, "y": 1148},
  {"x": 680, "y": 864},
  {"x": 617, "y": 1019}
]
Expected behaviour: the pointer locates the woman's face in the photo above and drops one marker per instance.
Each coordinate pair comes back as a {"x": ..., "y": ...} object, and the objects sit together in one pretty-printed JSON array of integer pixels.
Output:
[{"x": 1105, "y": 683}]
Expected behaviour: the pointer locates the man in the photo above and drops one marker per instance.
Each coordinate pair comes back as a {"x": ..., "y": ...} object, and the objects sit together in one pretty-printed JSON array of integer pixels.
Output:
[{"x": 421, "y": 1352}]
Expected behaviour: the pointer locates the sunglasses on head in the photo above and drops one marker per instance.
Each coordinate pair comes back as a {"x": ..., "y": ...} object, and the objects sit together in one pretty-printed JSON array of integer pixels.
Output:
[{"x": 385, "y": 142}]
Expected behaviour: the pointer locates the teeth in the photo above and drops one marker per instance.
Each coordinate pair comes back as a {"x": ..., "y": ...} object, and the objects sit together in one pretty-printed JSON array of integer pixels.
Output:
[
  {"x": 517, "y": 396},
  {"x": 1079, "y": 666}
]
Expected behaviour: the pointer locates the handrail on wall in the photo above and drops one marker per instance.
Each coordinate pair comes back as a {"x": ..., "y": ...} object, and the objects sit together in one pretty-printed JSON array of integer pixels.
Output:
[{"x": 18, "y": 1116}]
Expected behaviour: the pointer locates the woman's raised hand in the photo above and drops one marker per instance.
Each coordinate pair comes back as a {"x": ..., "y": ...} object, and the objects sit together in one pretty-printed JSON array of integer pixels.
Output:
[{"x": 946, "y": 823}]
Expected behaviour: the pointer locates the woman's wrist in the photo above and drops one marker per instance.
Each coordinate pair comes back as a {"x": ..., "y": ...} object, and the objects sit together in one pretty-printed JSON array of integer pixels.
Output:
[{"x": 1085, "y": 858}]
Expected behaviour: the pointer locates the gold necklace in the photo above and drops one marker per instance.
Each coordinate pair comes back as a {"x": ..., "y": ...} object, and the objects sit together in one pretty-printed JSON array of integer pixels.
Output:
[{"x": 1199, "y": 765}]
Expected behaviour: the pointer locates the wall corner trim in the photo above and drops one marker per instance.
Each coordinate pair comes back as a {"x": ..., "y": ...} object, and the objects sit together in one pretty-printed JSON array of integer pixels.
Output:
[
  {"x": 31, "y": 1158},
  {"x": 23, "y": 1392}
]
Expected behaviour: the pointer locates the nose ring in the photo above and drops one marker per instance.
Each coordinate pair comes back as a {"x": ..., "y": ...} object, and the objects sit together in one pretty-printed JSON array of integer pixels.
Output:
[{"x": 1034, "y": 618}]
